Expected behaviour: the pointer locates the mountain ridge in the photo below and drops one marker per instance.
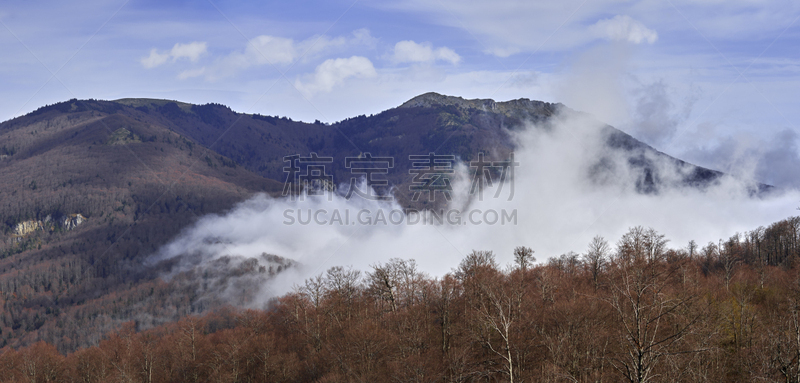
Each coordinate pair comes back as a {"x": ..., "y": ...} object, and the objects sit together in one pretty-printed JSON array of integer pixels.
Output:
[{"x": 141, "y": 170}]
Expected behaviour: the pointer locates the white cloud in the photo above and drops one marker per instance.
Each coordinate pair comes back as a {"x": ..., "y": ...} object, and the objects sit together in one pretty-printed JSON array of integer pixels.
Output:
[
  {"x": 624, "y": 28},
  {"x": 334, "y": 72},
  {"x": 410, "y": 51},
  {"x": 281, "y": 51},
  {"x": 772, "y": 158},
  {"x": 155, "y": 59},
  {"x": 270, "y": 49},
  {"x": 191, "y": 51},
  {"x": 363, "y": 37},
  {"x": 317, "y": 45},
  {"x": 657, "y": 114},
  {"x": 507, "y": 27}
]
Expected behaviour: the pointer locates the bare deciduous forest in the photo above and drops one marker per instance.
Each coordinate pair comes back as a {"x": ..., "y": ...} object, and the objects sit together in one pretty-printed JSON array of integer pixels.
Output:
[
  {"x": 639, "y": 310},
  {"x": 136, "y": 182}
]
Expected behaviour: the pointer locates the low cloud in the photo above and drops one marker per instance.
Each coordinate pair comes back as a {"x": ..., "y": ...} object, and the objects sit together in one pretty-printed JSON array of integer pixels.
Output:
[
  {"x": 191, "y": 51},
  {"x": 624, "y": 28},
  {"x": 411, "y": 52},
  {"x": 334, "y": 72},
  {"x": 561, "y": 203},
  {"x": 656, "y": 115},
  {"x": 780, "y": 163},
  {"x": 773, "y": 160}
]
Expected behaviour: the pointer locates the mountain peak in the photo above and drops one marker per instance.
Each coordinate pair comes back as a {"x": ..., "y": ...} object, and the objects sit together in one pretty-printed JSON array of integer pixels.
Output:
[
  {"x": 511, "y": 107},
  {"x": 431, "y": 99}
]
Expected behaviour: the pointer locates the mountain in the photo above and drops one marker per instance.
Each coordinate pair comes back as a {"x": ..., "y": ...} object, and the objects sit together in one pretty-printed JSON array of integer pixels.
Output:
[
  {"x": 92, "y": 188},
  {"x": 429, "y": 123},
  {"x": 89, "y": 190}
]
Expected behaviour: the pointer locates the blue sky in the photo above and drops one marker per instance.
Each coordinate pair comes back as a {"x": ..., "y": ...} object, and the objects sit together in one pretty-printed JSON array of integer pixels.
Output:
[{"x": 713, "y": 82}]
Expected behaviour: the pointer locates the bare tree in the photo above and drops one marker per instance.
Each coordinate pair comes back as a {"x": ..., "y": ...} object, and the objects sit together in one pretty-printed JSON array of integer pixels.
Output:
[
  {"x": 396, "y": 282},
  {"x": 728, "y": 258},
  {"x": 783, "y": 342},
  {"x": 595, "y": 257},
  {"x": 523, "y": 257},
  {"x": 382, "y": 283},
  {"x": 652, "y": 324},
  {"x": 709, "y": 253},
  {"x": 474, "y": 263},
  {"x": 342, "y": 285},
  {"x": 692, "y": 249},
  {"x": 491, "y": 295},
  {"x": 498, "y": 313}
]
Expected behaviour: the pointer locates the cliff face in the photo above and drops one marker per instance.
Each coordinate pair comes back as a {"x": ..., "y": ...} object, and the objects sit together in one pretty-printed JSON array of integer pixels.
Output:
[
  {"x": 72, "y": 221},
  {"x": 67, "y": 222},
  {"x": 26, "y": 227}
]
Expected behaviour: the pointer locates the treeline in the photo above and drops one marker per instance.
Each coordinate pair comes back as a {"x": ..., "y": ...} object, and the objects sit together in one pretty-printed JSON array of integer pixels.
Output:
[
  {"x": 634, "y": 311},
  {"x": 775, "y": 245}
]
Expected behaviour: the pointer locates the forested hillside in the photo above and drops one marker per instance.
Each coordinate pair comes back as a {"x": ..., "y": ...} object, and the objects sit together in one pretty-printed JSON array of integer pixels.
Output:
[
  {"x": 88, "y": 193},
  {"x": 640, "y": 310}
]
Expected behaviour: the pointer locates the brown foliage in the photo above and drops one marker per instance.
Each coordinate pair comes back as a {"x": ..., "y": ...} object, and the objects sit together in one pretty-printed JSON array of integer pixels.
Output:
[{"x": 649, "y": 314}]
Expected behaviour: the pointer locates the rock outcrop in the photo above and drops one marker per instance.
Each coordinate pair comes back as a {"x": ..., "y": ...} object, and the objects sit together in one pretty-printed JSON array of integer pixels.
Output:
[
  {"x": 72, "y": 221},
  {"x": 66, "y": 222},
  {"x": 26, "y": 227},
  {"x": 520, "y": 108}
]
